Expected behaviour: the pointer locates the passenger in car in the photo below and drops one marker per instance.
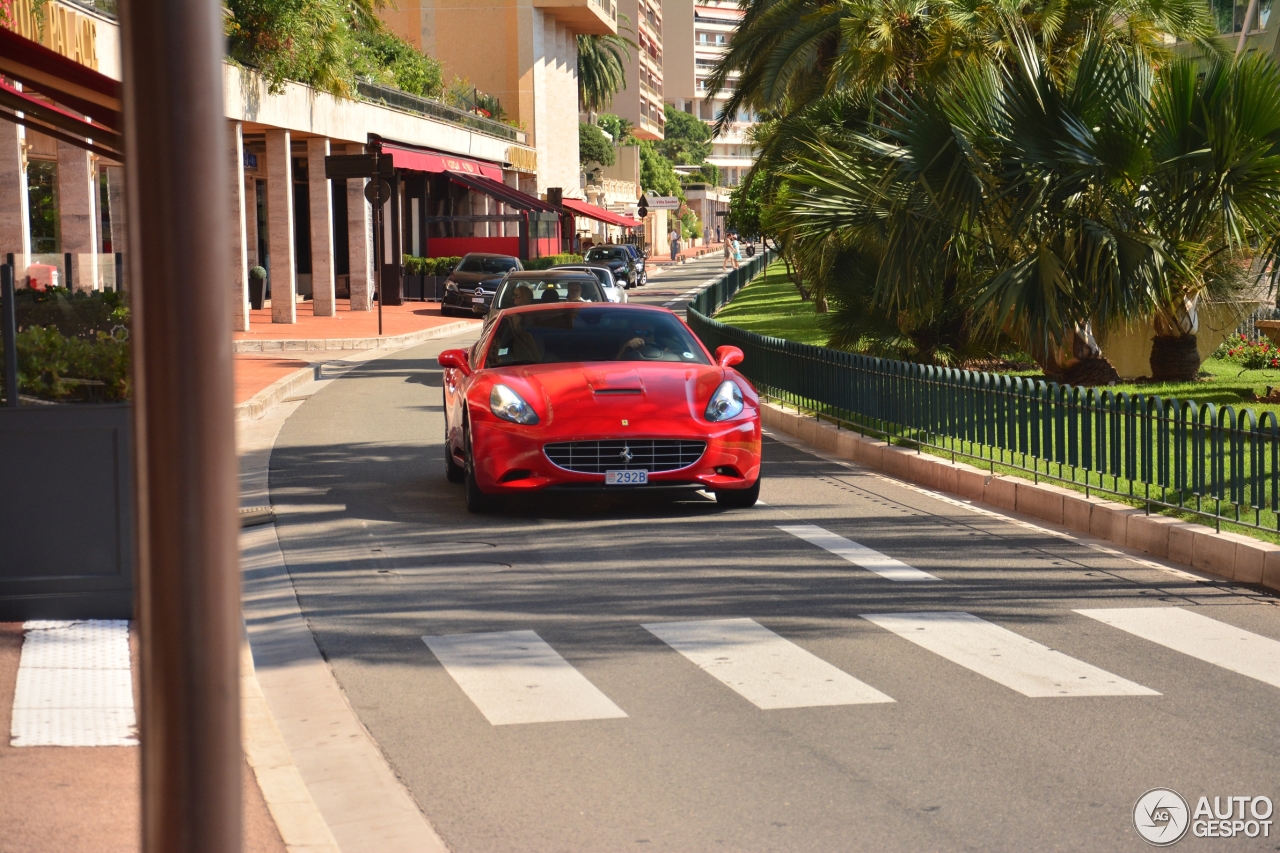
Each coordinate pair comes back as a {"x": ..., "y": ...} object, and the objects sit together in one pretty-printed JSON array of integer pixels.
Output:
[
  {"x": 575, "y": 292},
  {"x": 523, "y": 295}
]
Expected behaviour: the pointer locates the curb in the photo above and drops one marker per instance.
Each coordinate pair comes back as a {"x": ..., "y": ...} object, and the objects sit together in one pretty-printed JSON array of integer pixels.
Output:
[
  {"x": 1231, "y": 556},
  {"x": 274, "y": 394},
  {"x": 392, "y": 342}
]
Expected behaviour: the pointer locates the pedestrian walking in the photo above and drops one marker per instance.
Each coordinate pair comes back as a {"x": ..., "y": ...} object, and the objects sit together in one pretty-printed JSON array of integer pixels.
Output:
[
  {"x": 674, "y": 237},
  {"x": 728, "y": 254}
]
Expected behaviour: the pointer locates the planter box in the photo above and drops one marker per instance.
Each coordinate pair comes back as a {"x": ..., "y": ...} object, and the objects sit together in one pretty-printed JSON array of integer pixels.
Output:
[
  {"x": 413, "y": 287},
  {"x": 66, "y": 513}
]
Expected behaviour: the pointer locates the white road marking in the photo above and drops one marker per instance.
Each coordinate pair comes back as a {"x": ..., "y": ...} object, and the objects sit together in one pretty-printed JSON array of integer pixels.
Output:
[
  {"x": 1200, "y": 637},
  {"x": 860, "y": 555},
  {"x": 515, "y": 677},
  {"x": 1007, "y": 658},
  {"x": 74, "y": 686},
  {"x": 963, "y": 503},
  {"x": 762, "y": 667}
]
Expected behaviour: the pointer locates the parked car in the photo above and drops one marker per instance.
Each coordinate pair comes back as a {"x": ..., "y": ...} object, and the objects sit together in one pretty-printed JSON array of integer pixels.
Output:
[
  {"x": 639, "y": 256},
  {"x": 618, "y": 259},
  {"x": 604, "y": 398},
  {"x": 545, "y": 287},
  {"x": 614, "y": 291},
  {"x": 473, "y": 282}
]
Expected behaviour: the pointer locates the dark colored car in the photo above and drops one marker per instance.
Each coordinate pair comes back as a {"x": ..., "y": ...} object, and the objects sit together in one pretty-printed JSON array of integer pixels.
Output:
[
  {"x": 618, "y": 259},
  {"x": 638, "y": 256},
  {"x": 473, "y": 281}
]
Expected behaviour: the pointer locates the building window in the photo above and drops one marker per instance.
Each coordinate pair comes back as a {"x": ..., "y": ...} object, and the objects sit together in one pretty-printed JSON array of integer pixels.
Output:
[
  {"x": 42, "y": 199},
  {"x": 702, "y": 38},
  {"x": 719, "y": 38}
]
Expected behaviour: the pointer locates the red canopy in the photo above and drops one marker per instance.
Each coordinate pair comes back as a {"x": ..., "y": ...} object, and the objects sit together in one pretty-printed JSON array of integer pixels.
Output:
[
  {"x": 435, "y": 161},
  {"x": 608, "y": 217}
]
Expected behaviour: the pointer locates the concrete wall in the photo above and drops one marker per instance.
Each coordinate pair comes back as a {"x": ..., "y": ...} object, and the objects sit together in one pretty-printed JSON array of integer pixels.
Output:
[{"x": 1128, "y": 347}]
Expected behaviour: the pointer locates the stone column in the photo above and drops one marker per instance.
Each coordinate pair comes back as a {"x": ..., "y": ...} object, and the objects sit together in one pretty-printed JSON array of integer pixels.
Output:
[
  {"x": 359, "y": 240},
  {"x": 77, "y": 217},
  {"x": 119, "y": 221},
  {"x": 320, "y": 192},
  {"x": 251, "y": 221},
  {"x": 283, "y": 272},
  {"x": 15, "y": 221},
  {"x": 239, "y": 271}
]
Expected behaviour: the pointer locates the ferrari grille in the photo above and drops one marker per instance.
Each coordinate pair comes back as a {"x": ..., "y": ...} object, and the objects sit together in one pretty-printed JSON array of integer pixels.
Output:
[{"x": 651, "y": 454}]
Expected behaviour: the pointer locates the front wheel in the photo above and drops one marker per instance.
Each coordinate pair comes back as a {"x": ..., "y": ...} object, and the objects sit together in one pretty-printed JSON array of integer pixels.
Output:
[
  {"x": 739, "y": 498},
  {"x": 477, "y": 501}
]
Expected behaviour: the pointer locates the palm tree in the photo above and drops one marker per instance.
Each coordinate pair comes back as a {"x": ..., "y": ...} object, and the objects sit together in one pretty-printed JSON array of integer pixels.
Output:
[
  {"x": 1214, "y": 195},
  {"x": 788, "y": 53},
  {"x": 1003, "y": 203},
  {"x": 602, "y": 69}
]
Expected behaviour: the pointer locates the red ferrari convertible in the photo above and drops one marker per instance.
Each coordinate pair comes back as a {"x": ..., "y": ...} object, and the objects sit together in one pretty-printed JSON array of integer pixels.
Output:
[{"x": 605, "y": 397}]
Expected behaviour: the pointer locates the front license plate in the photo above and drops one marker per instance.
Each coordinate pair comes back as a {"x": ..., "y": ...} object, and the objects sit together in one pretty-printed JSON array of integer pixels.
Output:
[
  {"x": 626, "y": 478},
  {"x": 477, "y": 300}
]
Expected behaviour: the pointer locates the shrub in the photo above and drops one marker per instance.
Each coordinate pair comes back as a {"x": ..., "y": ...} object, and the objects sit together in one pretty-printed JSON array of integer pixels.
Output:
[
  {"x": 73, "y": 346},
  {"x": 1251, "y": 355},
  {"x": 551, "y": 261},
  {"x": 430, "y": 266}
]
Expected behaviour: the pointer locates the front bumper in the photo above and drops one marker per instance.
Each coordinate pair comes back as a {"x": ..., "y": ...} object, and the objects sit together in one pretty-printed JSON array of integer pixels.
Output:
[{"x": 509, "y": 458}]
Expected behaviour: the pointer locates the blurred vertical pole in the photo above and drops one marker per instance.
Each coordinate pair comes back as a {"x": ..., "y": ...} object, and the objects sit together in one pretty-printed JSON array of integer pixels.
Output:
[
  {"x": 188, "y": 599},
  {"x": 9, "y": 317}
]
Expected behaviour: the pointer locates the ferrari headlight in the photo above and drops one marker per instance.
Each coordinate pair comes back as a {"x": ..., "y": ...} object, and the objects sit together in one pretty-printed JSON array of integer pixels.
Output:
[
  {"x": 726, "y": 403},
  {"x": 510, "y": 406}
]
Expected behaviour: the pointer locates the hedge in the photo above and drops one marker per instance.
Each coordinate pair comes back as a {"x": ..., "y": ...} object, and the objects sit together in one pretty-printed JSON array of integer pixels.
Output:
[
  {"x": 551, "y": 261},
  {"x": 430, "y": 266}
]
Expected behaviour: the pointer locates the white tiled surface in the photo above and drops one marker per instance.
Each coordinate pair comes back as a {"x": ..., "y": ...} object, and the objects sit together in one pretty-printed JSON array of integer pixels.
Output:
[{"x": 74, "y": 686}]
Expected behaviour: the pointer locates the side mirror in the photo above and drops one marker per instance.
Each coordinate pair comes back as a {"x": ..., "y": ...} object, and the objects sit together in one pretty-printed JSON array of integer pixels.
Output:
[
  {"x": 458, "y": 360},
  {"x": 725, "y": 356}
]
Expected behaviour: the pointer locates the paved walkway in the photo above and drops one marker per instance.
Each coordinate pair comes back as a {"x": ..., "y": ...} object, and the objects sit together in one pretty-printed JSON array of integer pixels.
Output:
[
  {"x": 396, "y": 320},
  {"x": 84, "y": 799},
  {"x": 256, "y": 372}
]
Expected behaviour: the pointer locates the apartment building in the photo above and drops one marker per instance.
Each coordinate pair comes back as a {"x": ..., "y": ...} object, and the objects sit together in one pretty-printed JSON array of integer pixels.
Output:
[
  {"x": 525, "y": 54},
  {"x": 699, "y": 33},
  {"x": 641, "y": 102}
]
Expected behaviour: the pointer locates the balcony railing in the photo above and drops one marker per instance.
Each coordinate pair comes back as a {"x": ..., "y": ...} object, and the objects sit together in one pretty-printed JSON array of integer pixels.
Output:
[
  {"x": 106, "y": 8},
  {"x": 434, "y": 109}
]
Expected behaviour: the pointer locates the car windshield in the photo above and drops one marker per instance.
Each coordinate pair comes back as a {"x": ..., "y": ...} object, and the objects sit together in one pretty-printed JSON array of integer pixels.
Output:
[
  {"x": 535, "y": 291},
  {"x": 592, "y": 333},
  {"x": 605, "y": 254},
  {"x": 602, "y": 273},
  {"x": 495, "y": 265}
]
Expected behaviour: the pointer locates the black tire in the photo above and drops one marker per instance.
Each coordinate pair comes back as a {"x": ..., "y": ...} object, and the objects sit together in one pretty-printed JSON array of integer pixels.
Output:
[
  {"x": 454, "y": 472},
  {"x": 477, "y": 501},
  {"x": 739, "y": 498}
]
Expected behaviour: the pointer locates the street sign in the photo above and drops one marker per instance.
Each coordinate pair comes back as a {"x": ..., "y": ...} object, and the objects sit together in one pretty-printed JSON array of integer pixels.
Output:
[
  {"x": 663, "y": 202},
  {"x": 377, "y": 192},
  {"x": 642, "y": 208},
  {"x": 356, "y": 166}
]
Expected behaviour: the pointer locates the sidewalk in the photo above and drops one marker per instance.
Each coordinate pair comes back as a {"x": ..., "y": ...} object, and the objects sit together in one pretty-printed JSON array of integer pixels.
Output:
[
  {"x": 344, "y": 324},
  {"x": 663, "y": 259},
  {"x": 84, "y": 799}
]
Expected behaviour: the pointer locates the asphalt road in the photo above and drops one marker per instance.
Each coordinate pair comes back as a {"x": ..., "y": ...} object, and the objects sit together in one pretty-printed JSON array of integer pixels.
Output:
[{"x": 787, "y": 720}]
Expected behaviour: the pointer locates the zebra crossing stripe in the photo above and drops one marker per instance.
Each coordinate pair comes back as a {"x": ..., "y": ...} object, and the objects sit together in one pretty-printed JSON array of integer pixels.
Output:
[
  {"x": 762, "y": 667},
  {"x": 1004, "y": 657},
  {"x": 515, "y": 677},
  {"x": 860, "y": 555},
  {"x": 1200, "y": 637}
]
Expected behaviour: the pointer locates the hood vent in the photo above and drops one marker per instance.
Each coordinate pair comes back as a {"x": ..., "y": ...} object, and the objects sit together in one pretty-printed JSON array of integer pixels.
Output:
[{"x": 617, "y": 391}]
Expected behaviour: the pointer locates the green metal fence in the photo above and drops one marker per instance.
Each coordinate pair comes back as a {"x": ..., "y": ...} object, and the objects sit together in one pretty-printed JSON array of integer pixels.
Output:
[{"x": 1215, "y": 462}]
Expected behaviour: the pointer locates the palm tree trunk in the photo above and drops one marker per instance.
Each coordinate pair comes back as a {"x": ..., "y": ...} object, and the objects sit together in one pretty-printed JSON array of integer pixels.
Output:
[
  {"x": 1077, "y": 361},
  {"x": 1174, "y": 355}
]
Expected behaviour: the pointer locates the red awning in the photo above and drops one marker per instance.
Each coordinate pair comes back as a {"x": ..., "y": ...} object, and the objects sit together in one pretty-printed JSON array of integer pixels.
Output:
[
  {"x": 60, "y": 79},
  {"x": 608, "y": 217},
  {"x": 500, "y": 191},
  {"x": 436, "y": 161}
]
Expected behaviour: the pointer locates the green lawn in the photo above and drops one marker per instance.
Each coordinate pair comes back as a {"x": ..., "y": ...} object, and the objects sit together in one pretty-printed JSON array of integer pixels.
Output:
[{"x": 771, "y": 306}]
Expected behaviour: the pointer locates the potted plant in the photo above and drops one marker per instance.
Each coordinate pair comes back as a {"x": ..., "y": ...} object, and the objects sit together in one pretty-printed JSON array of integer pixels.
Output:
[{"x": 257, "y": 286}]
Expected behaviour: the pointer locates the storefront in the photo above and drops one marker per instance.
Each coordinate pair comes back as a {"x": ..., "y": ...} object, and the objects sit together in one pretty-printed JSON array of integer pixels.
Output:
[
  {"x": 618, "y": 228},
  {"x": 444, "y": 205}
]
